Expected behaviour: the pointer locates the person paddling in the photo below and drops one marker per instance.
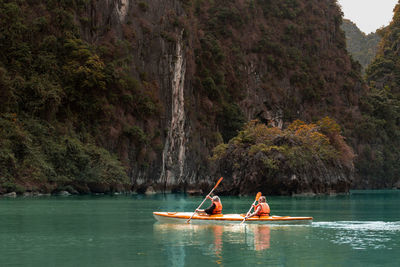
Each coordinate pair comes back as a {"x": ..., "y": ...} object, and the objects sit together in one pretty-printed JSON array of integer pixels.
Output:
[
  {"x": 215, "y": 208},
  {"x": 262, "y": 209}
]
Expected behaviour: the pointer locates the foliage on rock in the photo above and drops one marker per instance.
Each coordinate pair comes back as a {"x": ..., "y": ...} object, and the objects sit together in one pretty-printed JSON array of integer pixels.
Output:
[
  {"x": 58, "y": 95},
  {"x": 272, "y": 156},
  {"x": 379, "y": 131},
  {"x": 298, "y": 142},
  {"x": 363, "y": 47}
]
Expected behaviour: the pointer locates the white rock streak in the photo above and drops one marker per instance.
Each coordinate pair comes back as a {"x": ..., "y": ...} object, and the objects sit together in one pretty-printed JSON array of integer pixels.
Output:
[
  {"x": 122, "y": 9},
  {"x": 174, "y": 150}
]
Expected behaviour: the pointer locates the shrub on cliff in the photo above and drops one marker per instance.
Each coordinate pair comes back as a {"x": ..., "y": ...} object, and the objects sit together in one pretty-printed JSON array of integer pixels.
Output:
[
  {"x": 322, "y": 139},
  {"x": 259, "y": 150}
]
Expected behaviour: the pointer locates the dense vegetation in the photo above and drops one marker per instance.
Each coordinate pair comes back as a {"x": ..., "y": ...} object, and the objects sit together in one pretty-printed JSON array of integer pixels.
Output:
[
  {"x": 275, "y": 156},
  {"x": 361, "y": 46},
  {"x": 300, "y": 143},
  {"x": 57, "y": 93},
  {"x": 380, "y": 130},
  {"x": 378, "y": 134}
]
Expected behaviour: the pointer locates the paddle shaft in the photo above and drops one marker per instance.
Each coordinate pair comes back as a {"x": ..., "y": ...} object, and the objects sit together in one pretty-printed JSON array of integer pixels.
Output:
[
  {"x": 247, "y": 214},
  {"x": 204, "y": 200}
]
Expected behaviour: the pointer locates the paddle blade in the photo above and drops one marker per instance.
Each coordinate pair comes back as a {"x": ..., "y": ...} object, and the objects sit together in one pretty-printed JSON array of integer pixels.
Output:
[
  {"x": 258, "y": 196},
  {"x": 220, "y": 179}
]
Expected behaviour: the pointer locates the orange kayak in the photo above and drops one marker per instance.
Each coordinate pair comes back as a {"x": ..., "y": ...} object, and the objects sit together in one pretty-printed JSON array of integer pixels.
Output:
[{"x": 182, "y": 217}]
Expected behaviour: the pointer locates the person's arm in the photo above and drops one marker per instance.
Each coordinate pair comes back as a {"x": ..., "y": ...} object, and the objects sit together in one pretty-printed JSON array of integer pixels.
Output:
[
  {"x": 210, "y": 209},
  {"x": 200, "y": 210},
  {"x": 254, "y": 213}
]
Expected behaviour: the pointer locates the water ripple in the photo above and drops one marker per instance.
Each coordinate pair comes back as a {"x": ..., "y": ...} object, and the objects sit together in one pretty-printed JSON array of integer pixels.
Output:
[
  {"x": 362, "y": 234},
  {"x": 360, "y": 225}
]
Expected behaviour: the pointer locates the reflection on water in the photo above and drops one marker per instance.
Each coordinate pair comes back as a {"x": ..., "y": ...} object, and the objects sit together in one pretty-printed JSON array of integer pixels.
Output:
[
  {"x": 213, "y": 237},
  {"x": 262, "y": 236},
  {"x": 216, "y": 241},
  {"x": 256, "y": 237},
  {"x": 183, "y": 233},
  {"x": 218, "y": 231}
]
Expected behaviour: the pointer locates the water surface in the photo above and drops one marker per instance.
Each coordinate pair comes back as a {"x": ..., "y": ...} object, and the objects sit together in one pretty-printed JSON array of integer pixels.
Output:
[{"x": 360, "y": 229}]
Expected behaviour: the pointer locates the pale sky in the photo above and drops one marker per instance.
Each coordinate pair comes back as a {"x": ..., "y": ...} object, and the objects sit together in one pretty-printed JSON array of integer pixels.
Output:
[{"x": 369, "y": 15}]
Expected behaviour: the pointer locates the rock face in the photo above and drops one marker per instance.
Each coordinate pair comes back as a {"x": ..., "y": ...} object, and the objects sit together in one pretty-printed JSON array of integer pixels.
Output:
[
  {"x": 270, "y": 80},
  {"x": 249, "y": 177},
  {"x": 174, "y": 154},
  {"x": 264, "y": 59},
  {"x": 158, "y": 52},
  {"x": 160, "y": 83}
]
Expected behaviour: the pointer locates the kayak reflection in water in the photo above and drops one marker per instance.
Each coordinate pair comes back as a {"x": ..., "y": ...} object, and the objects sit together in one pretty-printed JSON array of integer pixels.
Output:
[
  {"x": 255, "y": 236},
  {"x": 218, "y": 230},
  {"x": 262, "y": 209},
  {"x": 262, "y": 237},
  {"x": 215, "y": 208}
]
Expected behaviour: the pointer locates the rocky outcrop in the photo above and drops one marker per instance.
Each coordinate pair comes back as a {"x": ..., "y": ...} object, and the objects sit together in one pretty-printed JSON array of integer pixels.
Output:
[
  {"x": 294, "y": 161},
  {"x": 12, "y": 194},
  {"x": 63, "y": 193},
  {"x": 249, "y": 176},
  {"x": 165, "y": 81}
]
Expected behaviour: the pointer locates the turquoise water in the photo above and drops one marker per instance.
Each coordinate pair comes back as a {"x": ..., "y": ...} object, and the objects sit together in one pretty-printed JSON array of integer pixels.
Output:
[{"x": 360, "y": 229}]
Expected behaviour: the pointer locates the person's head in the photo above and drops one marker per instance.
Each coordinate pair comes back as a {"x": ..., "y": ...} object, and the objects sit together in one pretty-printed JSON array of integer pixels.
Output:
[
  {"x": 216, "y": 198},
  {"x": 262, "y": 199}
]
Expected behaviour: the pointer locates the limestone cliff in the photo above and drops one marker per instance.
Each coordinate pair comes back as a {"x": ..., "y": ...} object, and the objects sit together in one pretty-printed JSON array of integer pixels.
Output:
[
  {"x": 159, "y": 83},
  {"x": 217, "y": 62}
]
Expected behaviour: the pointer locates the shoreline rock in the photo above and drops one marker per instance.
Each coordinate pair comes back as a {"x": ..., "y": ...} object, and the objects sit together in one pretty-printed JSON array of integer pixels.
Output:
[
  {"x": 63, "y": 193},
  {"x": 397, "y": 185},
  {"x": 150, "y": 191},
  {"x": 12, "y": 194}
]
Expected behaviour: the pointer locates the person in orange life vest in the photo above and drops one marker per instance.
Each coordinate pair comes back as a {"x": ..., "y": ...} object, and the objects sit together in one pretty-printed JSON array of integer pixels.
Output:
[
  {"x": 215, "y": 208},
  {"x": 262, "y": 209}
]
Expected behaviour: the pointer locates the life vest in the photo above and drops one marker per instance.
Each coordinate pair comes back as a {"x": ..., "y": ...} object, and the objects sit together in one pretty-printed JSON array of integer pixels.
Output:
[
  {"x": 218, "y": 207},
  {"x": 264, "y": 209}
]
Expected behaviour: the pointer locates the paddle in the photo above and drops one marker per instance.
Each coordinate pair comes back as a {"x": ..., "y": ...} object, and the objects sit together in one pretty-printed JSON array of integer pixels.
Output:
[
  {"x": 220, "y": 179},
  {"x": 247, "y": 214}
]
